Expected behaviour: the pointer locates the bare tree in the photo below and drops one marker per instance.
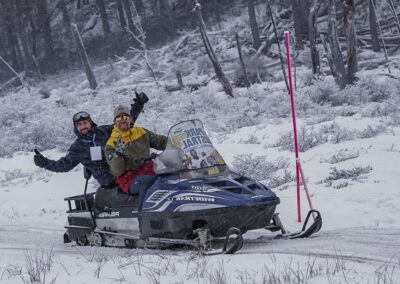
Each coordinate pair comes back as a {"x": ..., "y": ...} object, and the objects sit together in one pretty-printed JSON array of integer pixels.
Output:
[
  {"x": 239, "y": 47},
  {"x": 129, "y": 16},
  {"x": 298, "y": 24},
  {"x": 332, "y": 50},
  {"x": 269, "y": 11},
  {"x": 84, "y": 58},
  {"x": 217, "y": 11},
  {"x": 253, "y": 24},
  {"x": 22, "y": 37},
  {"x": 394, "y": 14},
  {"x": 383, "y": 41},
  {"x": 44, "y": 23},
  {"x": 121, "y": 15},
  {"x": 140, "y": 39},
  {"x": 312, "y": 28},
  {"x": 372, "y": 24},
  {"x": 7, "y": 13},
  {"x": 351, "y": 40},
  {"x": 217, "y": 67},
  {"x": 104, "y": 17},
  {"x": 166, "y": 22}
]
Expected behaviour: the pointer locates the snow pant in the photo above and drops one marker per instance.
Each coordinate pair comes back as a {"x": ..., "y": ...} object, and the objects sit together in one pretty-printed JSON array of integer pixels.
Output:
[{"x": 140, "y": 185}]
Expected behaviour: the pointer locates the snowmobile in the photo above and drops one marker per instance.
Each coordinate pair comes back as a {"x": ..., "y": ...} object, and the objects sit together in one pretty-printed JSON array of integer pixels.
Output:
[{"x": 196, "y": 201}]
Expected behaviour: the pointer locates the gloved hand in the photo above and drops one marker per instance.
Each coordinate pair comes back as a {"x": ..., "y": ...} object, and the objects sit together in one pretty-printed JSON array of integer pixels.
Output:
[
  {"x": 40, "y": 160},
  {"x": 87, "y": 174},
  {"x": 151, "y": 157},
  {"x": 141, "y": 98},
  {"x": 120, "y": 146}
]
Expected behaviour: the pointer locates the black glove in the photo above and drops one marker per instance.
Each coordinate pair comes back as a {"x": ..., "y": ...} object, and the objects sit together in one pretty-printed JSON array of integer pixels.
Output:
[
  {"x": 138, "y": 105},
  {"x": 151, "y": 157},
  {"x": 40, "y": 160},
  {"x": 86, "y": 173},
  {"x": 141, "y": 98}
]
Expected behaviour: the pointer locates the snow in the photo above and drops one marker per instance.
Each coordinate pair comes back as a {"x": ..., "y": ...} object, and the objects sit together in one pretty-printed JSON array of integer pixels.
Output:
[
  {"x": 358, "y": 237},
  {"x": 358, "y": 242}
]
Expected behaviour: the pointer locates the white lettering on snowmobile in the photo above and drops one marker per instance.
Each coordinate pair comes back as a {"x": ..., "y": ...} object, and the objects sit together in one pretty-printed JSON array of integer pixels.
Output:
[
  {"x": 201, "y": 188},
  {"x": 105, "y": 214},
  {"x": 194, "y": 198}
]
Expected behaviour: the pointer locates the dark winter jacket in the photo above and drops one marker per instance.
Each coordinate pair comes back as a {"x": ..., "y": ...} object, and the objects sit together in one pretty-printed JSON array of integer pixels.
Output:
[{"x": 79, "y": 152}]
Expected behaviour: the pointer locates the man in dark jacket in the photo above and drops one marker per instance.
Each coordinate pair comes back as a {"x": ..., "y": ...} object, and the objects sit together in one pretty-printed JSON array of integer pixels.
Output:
[{"x": 88, "y": 148}]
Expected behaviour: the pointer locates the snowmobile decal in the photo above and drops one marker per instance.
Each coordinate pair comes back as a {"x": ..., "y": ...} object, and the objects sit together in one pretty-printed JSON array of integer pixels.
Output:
[
  {"x": 108, "y": 215},
  {"x": 194, "y": 198}
]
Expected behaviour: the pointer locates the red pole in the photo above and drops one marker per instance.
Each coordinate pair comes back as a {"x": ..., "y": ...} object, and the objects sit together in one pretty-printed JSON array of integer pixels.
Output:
[{"x": 296, "y": 148}]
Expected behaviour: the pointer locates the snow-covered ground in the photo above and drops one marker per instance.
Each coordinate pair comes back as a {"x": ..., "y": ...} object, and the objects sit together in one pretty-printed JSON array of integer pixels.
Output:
[
  {"x": 351, "y": 159},
  {"x": 358, "y": 242}
]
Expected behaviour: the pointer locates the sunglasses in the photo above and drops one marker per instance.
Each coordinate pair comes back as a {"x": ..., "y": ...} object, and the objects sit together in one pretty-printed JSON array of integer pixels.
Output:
[
  {"x": 82, "y": 115},
  {"x": 122, "y": 117}
]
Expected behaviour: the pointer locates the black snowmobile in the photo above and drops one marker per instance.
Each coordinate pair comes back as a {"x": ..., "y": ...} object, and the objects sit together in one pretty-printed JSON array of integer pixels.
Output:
[{"x": 196, "y": 201}]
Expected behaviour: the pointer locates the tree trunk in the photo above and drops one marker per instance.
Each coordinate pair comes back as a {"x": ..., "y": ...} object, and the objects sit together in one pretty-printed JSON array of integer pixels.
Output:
[
  {"x": 333, "y": 51},
  {"x": 269, "y": 11},
  {"x": 372, "y": 23},
  {"x": 305, "y": 15},
  {"x": 312, "y": 31},
  {"x": 179, "y": 79},
  {"x": 128, "y": 13},
  {"x": 217, "y": 67},
  {"x": 393, "y": 10},
  {"x": 121, "y": 15},
  {"x": 104, "y": 17},
  {"x": 351, "y": 40},
  {"x": 166, "y": 23},
  {"x": 44, "y": 24},
  {"x": 7, "y": 12},
  {"x": 298, "y": 24},
  {"x": 29, "y": 10},
  {"x": 139, "y": 6},
  {"x": 22, "y": 38},
  {"x": 217, "y": 12},
  {"x": 67, "y": 30},
  {"x": 84, "y": 58},
  {"x": 253, "y": 25},
  {"x": 239, "y": 47}
]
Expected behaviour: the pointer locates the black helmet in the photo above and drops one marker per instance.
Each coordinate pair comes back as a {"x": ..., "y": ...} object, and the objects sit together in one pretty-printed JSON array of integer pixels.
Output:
[{"x": 79, "y": 116}]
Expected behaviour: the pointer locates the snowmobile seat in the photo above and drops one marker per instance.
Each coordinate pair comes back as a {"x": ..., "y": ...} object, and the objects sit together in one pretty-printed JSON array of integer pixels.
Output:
[{"x": 114, "y": 197}]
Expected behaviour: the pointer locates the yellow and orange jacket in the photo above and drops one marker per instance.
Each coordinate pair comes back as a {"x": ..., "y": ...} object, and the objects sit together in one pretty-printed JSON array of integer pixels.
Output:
[{"x": 132, "y": 162}]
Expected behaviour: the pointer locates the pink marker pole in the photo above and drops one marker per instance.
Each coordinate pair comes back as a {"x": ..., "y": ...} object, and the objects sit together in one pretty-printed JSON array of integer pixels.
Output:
[{"x": 296, "y": 148}]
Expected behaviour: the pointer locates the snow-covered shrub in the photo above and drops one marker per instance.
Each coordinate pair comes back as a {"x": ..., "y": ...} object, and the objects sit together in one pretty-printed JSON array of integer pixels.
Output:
[
  {"x": 380, "y": 109},
  {"x": 354, "y": 174},
  {"x": 322, "y": 92},
  {"x": 371, "y": 131},
  {"x": 307, "y": 138},
  {"x": 339, "y": 134},
  {"x": 341, "y": 156},
  {"x": 259, "y": 168},
  {"x": 394, "y": 118},
  {"x": 38, "y": 265}
]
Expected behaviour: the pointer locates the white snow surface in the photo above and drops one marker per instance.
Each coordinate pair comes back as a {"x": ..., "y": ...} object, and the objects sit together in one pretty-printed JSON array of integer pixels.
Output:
[{"x": 358, "y": 243}]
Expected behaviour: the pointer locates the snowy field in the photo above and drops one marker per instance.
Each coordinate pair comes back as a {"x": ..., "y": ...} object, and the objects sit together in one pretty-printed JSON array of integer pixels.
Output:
[
  {"x": 350, "y": 143},
  {"x": 358, "y": 243}
]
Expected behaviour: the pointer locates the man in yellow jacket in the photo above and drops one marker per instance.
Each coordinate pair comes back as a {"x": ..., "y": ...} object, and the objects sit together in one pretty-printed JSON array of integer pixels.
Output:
[{"x": 128, "y": 153}]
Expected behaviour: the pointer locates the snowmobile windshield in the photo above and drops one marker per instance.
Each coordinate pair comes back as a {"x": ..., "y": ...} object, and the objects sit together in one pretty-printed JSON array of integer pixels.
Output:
[{"x": 190, "y": 152}]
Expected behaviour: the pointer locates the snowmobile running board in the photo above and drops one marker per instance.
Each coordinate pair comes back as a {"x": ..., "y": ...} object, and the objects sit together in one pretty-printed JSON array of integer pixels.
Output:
[{"x": 304, "y": 233}]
